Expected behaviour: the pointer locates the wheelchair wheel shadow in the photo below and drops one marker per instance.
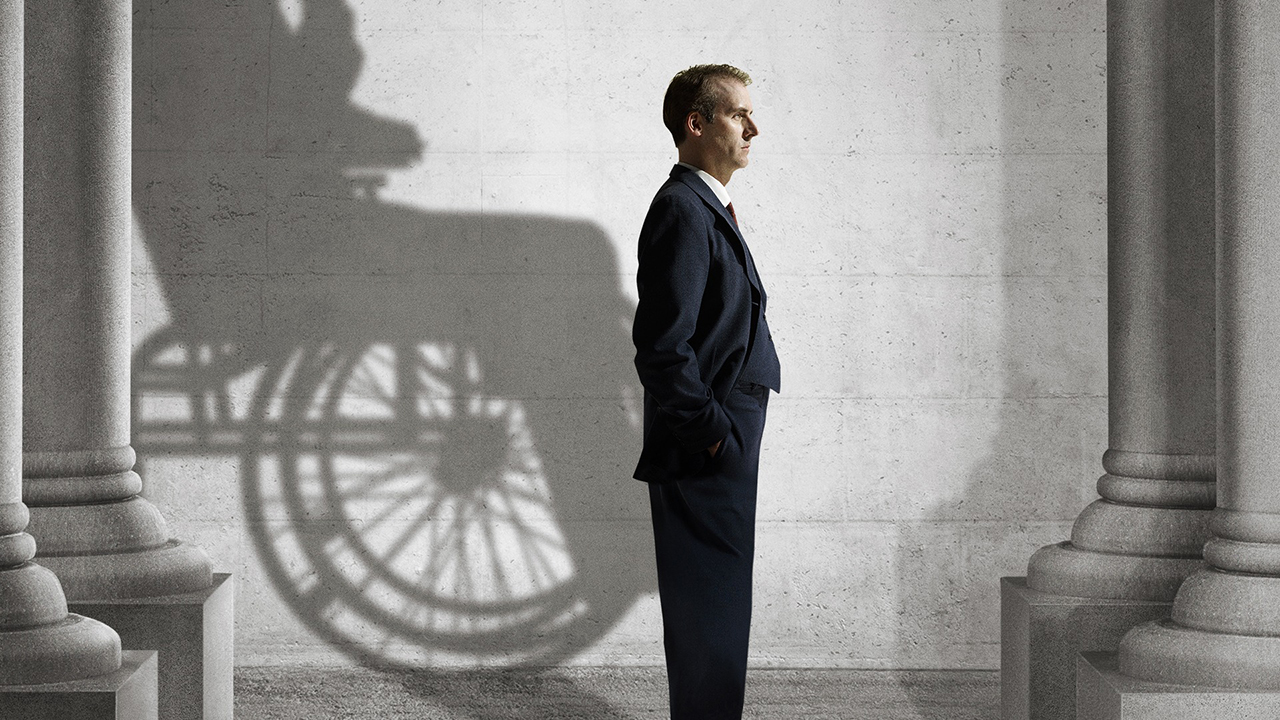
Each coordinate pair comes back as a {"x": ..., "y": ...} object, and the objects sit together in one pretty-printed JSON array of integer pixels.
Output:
[{"x": 434, "y": 413}]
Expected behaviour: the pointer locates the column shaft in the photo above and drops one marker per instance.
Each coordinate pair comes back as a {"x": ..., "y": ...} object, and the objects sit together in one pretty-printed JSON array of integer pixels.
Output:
[
  {"x": 1144, "y": 536},
  {"x": 39, "y": 641},
  {"x": 1225, "y": 626},
  {"x": 94, "y": 530}
]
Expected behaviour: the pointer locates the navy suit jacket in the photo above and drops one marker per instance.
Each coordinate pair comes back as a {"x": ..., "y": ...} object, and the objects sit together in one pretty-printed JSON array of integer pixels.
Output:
[{"x": 700, "y": 317}]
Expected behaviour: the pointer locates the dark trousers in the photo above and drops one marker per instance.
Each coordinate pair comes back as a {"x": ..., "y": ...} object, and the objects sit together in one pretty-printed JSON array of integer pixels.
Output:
[{"x": 704, "y": 535}]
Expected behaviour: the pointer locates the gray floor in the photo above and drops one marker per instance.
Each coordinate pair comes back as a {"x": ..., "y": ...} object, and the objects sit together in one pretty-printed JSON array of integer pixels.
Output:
[{"x": 606, "y": 694}]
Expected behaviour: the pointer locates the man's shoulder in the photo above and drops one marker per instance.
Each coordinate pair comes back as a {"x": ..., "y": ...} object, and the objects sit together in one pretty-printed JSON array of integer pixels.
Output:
[
  {"x": 676, "y": 206},
  {"x": 676, "y": 194}
]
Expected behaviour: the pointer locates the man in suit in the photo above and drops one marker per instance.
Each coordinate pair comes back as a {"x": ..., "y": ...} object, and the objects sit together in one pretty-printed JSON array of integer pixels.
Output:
[{"x": 707, "y": 363}]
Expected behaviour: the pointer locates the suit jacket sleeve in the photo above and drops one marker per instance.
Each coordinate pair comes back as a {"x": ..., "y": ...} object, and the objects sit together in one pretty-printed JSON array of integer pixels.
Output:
[{"x": 675, "y": 260}]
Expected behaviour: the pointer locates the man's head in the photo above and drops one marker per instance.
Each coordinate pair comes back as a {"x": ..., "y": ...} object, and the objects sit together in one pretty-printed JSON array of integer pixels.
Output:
[{"x": 708, "y": 111}]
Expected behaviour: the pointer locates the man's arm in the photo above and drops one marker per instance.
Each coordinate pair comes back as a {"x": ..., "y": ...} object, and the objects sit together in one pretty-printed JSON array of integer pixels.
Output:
[{"x": 675, "y": 259}]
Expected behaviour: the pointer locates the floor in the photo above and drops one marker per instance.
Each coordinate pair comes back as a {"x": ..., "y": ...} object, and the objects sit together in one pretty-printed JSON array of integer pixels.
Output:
[{"x": 606, "y": 694}]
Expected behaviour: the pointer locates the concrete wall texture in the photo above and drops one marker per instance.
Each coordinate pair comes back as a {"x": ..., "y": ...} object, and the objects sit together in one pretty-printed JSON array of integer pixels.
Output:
[{"x": 384, "y": 262}]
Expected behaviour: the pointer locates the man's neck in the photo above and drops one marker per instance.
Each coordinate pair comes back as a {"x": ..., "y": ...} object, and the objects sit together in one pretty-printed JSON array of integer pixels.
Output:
[
  {"x": 717, "y": 188},
  {"x": 689, "y": 158}
]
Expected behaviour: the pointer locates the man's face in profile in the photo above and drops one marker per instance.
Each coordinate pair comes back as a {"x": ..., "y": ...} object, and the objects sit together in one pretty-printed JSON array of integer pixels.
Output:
[{"x": 727, "y": 135}]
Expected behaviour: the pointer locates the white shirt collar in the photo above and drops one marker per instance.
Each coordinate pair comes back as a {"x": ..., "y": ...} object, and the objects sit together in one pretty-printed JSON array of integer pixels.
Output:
[{"x": 716, "y": 186}]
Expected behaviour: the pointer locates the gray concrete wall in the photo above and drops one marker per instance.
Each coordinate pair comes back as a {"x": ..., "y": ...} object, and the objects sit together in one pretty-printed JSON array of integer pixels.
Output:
[{"x": 384, "y": 259}]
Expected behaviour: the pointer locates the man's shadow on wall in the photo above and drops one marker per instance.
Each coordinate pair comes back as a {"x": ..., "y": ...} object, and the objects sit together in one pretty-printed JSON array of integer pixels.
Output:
[{"x": 434, "y": 412}]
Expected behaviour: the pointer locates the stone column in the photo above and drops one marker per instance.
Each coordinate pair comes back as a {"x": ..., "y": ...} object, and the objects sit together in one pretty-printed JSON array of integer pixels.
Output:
[
  {"x": 95, "y": 531},
  {"x": 39, "y": 641},
  {"x": 109, "y": 546},
  {"x": 1219, "y": 654},
  {"x": 1130, "y": 550}
]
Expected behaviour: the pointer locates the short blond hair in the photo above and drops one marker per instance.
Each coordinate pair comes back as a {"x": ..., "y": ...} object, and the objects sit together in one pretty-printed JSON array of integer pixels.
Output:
[{"x": 694, "y": 90}]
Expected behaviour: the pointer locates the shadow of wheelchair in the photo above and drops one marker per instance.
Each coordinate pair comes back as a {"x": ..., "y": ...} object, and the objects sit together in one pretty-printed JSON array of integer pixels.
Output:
[{"x": 434, "y": 413}]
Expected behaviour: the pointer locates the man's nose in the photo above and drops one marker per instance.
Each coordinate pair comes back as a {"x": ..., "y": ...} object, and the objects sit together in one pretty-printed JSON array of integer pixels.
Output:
[{"x": 752, "y": 130}]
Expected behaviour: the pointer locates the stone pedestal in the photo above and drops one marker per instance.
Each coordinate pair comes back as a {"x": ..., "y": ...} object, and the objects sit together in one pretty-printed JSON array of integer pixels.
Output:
[
  {"x": 126, "y": 694},
  {"x": 1040, "y": 636},
  {"x": 193, "y": 633},
  {"x": 1103, "y": 693}
]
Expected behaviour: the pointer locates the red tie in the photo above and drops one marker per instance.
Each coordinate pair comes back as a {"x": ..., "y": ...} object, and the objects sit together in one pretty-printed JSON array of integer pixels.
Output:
[{"x": 732, "y": 214}]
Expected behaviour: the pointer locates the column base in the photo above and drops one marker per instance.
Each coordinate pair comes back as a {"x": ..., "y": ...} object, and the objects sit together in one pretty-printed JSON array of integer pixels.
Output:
[
  {"x": 126, "y": 694},
  {"x": 193, "y": 633},
  {"x": 77, "y": 647},
  {"x": 1103, "y": 693},
  {"x": 174, "y": 566},
  {"x": 1040, "y": 636},
  {"x": 1065, "y": 569},
  {"x": 1166, "y": 652}
]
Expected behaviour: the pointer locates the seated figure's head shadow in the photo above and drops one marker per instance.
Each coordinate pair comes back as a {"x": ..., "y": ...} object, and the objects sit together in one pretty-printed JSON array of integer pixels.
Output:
[{"x": 433, "y": 411}]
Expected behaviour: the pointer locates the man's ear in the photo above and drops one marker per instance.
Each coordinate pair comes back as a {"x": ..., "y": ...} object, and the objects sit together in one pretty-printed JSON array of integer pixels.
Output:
[{"x": 693, "y": 124}]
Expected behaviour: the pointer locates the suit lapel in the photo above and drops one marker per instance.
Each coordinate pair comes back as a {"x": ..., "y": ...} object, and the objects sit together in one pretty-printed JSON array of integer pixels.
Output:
[{"x": 690, "y": 178}]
